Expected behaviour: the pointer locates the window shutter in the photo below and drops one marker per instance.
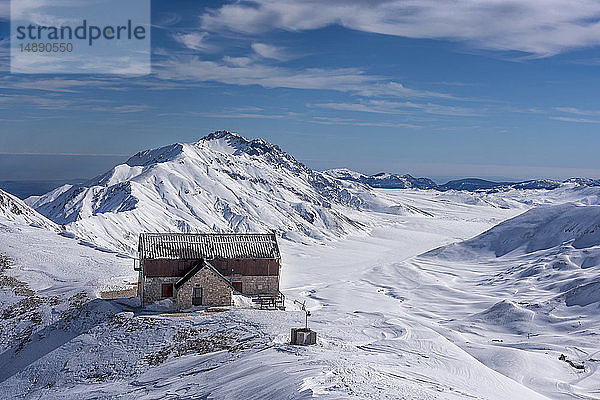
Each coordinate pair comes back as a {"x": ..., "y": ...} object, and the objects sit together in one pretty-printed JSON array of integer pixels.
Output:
[{"x": 167, "y": 290}]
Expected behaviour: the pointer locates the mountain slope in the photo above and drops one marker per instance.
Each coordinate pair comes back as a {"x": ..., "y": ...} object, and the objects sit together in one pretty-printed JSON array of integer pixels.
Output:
[
  {"x": 14, "y": 209},
  {"x": 222, "y": 183},
  {"x": 537, "y": 229},
  {"x": 366, "y": 334},
  {"x": 420, "y": 327},
  {"x": 547, "y": 254}
]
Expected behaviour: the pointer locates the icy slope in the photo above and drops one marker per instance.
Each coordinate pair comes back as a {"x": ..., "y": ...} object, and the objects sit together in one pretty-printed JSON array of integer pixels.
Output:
[
  {"x": 49, "y": 259},
  {"x": 14, "y": 209},
  {"x": 224, "y": 182}
]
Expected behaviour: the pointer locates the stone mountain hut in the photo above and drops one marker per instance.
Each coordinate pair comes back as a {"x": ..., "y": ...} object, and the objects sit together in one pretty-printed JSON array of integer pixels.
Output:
[{"x": 204, "y": 269}]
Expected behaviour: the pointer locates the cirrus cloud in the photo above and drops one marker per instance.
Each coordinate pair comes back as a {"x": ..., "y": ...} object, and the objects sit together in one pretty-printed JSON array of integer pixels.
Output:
[
  {"x": 269, "y": 51},
  {"x": 194, "y": 41},
  {"x": 233, "y": 72},
  {"x": 538, "y": 27}
]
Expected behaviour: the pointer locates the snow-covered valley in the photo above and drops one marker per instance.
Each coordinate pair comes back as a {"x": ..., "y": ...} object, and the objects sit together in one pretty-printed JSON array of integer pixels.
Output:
[{"x": 416, "y": 294}]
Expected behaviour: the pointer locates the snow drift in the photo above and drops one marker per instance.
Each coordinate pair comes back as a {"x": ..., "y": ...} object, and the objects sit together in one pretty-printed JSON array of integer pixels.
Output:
[
  {"x": 537, "y": 229},
  {"x": 554, "y": 250}
]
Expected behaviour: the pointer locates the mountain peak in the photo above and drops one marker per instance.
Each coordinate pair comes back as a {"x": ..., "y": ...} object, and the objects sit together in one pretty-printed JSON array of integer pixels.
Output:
[
  {"x": 235, "y": 144},
  {"x": 223, "y": 135},
  {"x": 225, "y": 141}
]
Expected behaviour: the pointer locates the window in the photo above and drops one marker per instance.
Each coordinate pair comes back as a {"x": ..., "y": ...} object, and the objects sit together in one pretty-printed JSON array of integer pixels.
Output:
[
  {"x": 167, "y": 290},
  {"x": 237, "y": 286}
]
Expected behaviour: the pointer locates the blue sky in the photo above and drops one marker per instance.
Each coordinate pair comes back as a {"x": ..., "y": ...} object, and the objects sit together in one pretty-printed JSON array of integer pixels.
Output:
[{"x": 496, "y": 89}]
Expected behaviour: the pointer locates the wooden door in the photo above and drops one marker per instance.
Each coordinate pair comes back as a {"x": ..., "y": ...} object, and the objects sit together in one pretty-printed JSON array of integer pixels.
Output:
[
  {"x": 237, "y": 286},
  {"x": 197, "y": 296}
]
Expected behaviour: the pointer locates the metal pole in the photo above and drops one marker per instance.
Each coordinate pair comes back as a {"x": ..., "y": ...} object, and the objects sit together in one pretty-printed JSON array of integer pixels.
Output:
[{"x": 306, "y": 324}]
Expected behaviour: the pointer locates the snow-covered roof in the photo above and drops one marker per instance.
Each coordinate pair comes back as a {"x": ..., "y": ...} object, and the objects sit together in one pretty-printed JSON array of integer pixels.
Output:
[{"x": 207, "y": 245}]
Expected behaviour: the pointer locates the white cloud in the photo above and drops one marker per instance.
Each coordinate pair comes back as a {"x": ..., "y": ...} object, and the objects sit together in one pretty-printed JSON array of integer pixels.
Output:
[
  {"x": 237, "y": 61},
  {"x": 123, "y": 109},
  {"x": 254, "y": 115},
  {"x": 24, "y": 9},
  {"x": 353, "y": 122},
  {"x": 576, "y": 111},
  {"x": 577, "y": 115},
  {"x": 395, "y": 108},
  {"x": 269, "y": 51},
  {"x": 10, "y": 101},
  {"x": 350, "y": 80},
  {"x": 55, "y": 101},
  {"x": 76, "y": 84},
  {"x": 578, "y": 120},
  {"x": 194, "y": 40},
  {"x": 539, "y": 27},
  {"x": 5, "y": 9},
  {"x": 397, "y": 89}
]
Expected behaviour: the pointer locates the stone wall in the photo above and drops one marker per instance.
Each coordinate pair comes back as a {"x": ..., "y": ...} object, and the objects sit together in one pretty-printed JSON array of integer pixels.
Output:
[
  {"x": 215, "y": 292},
  {"x": 258, "y": 284},
  {"x": 153, "y": 288}
]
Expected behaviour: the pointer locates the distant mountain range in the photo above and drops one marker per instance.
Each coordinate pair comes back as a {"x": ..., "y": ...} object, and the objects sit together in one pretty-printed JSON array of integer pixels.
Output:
[
  {"x": 383, "y": 180},
  {"x": 227, "y": 183},
  {"x": 393, "y": 181}
]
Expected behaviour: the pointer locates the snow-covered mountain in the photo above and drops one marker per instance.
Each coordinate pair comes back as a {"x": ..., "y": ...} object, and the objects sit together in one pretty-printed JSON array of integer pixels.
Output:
[
  {"x": 383, "y": 180},
  {"x": 221, "y": 183},
  {"x": 226, "y": 183},
  {"x": 14, "y": 209}
]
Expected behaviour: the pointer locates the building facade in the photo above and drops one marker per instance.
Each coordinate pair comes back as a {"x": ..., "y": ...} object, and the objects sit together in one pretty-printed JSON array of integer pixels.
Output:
[{"x": 204, "y": 269}]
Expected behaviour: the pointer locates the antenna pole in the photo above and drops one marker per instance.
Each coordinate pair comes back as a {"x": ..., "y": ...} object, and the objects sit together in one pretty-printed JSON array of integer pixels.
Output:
[{"x": 307, "y": 313}]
